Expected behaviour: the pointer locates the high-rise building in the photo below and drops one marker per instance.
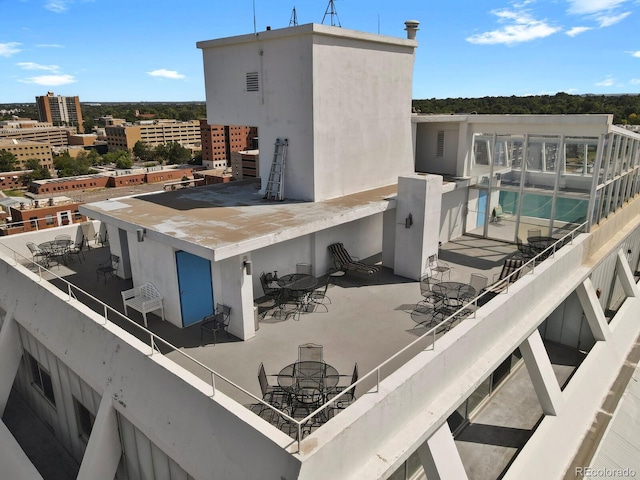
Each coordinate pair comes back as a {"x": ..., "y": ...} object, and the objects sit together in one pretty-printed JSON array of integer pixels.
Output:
[
  {"x": 60, "y": 110},
  {"x": 220, "y": 141}
]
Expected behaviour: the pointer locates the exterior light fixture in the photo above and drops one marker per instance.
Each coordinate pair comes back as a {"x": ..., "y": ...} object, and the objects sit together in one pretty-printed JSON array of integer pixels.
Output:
[
  {"x": 408, "y": 221},
  {"x": 140, "y": 232},
  {"x": 246, "y": 264}
]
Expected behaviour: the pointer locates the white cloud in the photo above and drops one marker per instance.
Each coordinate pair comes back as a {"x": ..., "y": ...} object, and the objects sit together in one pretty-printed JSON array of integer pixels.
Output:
[
  {"x": 8, "y": 49},
  {"x": 57, "y": 6},
  {"x": 577, "y": 31},
  {"x": 37, "y": 66},
  {"x": 636, "y": 54},
  {"x": 49, "y": 45},
  {"x": 585, "y": 7},
  {"x": 605, "y": 83},
  {"x": 608, "y": 20},
  {"x": 522, "y": 28},
  {"x": 166, "y": 74},
  {"x": 51, "y": 80},
  {"x": 635, "y": 81}
]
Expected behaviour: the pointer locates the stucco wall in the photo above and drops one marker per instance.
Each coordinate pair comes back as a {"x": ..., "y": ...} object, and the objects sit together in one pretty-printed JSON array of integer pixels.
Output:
[{"x": 452, "y": 214}]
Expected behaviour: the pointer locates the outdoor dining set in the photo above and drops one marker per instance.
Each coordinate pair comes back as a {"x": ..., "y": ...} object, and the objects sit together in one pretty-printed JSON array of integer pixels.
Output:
[
  {"x": 301, "y": 290},
  {"x": 304, "y": 386},
  {"x": 60, "y": 249}
]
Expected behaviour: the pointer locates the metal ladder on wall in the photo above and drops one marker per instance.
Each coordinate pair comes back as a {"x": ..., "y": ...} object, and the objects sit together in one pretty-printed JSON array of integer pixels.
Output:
[{"x": 275, "y": 183}]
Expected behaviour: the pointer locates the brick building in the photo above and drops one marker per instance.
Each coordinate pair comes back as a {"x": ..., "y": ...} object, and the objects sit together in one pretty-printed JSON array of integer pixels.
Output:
[
  {"x": 220, "y": 141},
  {"x": 42, "y": 214},
  {"x": 27, "y": 149}
]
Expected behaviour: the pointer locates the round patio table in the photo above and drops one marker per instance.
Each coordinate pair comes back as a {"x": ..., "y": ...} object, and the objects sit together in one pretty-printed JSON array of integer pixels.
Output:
[
  {"x": 454, "y": 290},
  {"x": 56, "y": 248},
  {"x": 298, "y": 282},
  {"x": 308, "y": 383},
  {"x": 540, "y": 243}
]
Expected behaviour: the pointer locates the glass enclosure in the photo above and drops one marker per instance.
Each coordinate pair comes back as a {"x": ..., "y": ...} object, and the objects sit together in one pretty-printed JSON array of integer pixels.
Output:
[{"x": 546, "y": 182}]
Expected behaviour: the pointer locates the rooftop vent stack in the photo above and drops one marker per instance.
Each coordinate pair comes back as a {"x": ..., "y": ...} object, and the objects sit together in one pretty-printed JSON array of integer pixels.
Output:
[{"x": 411, "y": 28}]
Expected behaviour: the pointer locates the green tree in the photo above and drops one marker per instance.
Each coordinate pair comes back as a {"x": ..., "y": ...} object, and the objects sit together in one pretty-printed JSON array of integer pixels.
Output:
[
  {"x": 173, "y": 153},
  {"x": 143, "y": 151},
  {"x": 67, "y": 166},
  {"x": 7, "y": 161},
  {"x": 38, "y": 172}
]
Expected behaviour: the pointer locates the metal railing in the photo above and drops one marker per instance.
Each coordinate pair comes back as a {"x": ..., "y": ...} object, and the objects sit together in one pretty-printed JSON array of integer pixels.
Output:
[{"x": 376, "y": 373}]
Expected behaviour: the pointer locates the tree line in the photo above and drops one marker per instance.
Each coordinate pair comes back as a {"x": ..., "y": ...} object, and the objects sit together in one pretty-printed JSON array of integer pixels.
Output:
[{"x": 625, "y": 108}]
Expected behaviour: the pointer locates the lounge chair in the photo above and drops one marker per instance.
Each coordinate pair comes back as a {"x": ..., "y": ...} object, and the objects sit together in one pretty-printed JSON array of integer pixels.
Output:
[
  {"x": 499, "y": 214},
  {"x": 511, "y": 266},
  {"x": 346, "y": 263}
]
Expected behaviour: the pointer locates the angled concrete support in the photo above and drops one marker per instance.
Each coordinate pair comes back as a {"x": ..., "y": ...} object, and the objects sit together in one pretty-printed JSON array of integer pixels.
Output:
[
  {"x": 625, "y": 275},
  {"x": 593, "y": 311},
  {"x": 541, "y": 373},
  {"x": 440, "y": 458},
  {"x": 10, "y": 355},
  {"x": 103, "y": 450}
]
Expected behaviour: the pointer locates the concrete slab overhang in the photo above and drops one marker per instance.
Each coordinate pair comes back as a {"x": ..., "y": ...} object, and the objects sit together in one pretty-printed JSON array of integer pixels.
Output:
[{"x": 221, "y": 221}]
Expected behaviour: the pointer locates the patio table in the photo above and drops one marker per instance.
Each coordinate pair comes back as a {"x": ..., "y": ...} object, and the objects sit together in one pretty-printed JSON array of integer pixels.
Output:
[
  {"x": 541, "y": 243},
  {"x": 56, "y": 249},
  {"x": 298, "y": 286},
  {"x": 308, "y": 383}
]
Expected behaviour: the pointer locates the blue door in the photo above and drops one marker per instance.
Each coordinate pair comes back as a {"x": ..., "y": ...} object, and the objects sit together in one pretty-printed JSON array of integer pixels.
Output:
[
  {"x": 196, "y": 287},
  {"x": 482, "y": 206}
]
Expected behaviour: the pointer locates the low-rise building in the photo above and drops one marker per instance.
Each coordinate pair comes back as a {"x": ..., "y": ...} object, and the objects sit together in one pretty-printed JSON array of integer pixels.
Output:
[
  {"x": 42, "y": 214},
  {"x": 245, "y": 164},
  {"x": 153, "y": 133},
  {"x": 26, "y": 149}
]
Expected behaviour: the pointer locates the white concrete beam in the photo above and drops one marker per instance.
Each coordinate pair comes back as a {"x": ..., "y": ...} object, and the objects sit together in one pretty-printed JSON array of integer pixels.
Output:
[
  {"x": 439, "y": 456},
  {"x": 10, "y": 355},
  {"x": 626, "y": 276},
  {"x": 102, "y": 456},
  {"x": 541, "y": 373},
  {"x": 593, "y": 311}
]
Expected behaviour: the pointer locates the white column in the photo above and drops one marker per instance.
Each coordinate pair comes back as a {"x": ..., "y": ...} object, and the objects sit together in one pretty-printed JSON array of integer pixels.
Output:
[
  {"x": 103, "y": 451},
  {"x": 440, "y": 457},
  {"x": 417, "y": 223},
  {"x": 626, "y": 276},
  {"x": 541, "y": 373},
  {"x": 233, "y": 286},
  {"x": 593, "y": 311},
  {"x": 10, "y": 355}
]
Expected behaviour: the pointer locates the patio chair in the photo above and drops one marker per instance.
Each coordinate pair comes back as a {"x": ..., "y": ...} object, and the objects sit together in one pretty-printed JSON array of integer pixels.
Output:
[
  {"x": 38, "y": 256},
  {"x": 478, "y": 281},
  {"x": 498, "y": 214},
  {"x": 511, "y": 266},
  {"x": 525, "y": 250},
  {"x": 216, "y": 322},
  {"x": 109, "y": 267},
  {"x": 272, "y": 293},
  {"x": 78, "y": 248},
  {"x": 310, "y": 352},
  {"x": 304, "y": 268},
  {"x": 349, "y": 397},
  {"x": 438, "y": 267},
  {"x": 274, "y": 394},
  {"x": 346, "y": 263},
  {"x": 318, "y": 296},
  {"x": 429, "y": 297}
]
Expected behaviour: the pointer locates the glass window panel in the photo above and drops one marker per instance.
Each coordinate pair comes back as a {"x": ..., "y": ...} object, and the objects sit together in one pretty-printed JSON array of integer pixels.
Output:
[
  {"x": 476, "y": 210},
  {"x": 570, "y": 212},
  {"x": 535, "y": 213},
  {"x": 542, "y": 161},
  {"x": 580, "y": 156},
  {"x": 502, "y": 224},
  {"x": 414, "y": 465},
  {"x": 458, "y": 416},
  {"x": 480, "y": 160},
  {"x": 479, "y": 394},
  {"x": 508, "y": 159}
]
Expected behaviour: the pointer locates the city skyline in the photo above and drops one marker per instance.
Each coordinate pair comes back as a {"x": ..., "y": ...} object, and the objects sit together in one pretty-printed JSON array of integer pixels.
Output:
[{"x": 128, "y": 52}]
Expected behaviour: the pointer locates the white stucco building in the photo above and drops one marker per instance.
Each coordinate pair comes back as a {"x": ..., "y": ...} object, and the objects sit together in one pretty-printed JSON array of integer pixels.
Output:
[{"x": 364, "y": 171}]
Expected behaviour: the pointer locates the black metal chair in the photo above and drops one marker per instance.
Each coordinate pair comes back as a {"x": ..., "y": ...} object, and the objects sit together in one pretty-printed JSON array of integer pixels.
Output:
[
  {"x": 271, "y": 292},
  {"x": 430, "y": 299},
  {"x": 525, "y": 251},
  {"x": 218, "y": 321},
  {"x": 274, "y": 394},
  {"x": 349, "y": 397},
  {"x": 109, "y": 267},
  {"x": 318, "y": 296},
  {"x": 39, "y": 256},
  {"x": 310, "y": 352},
  {"x": 78, "y": 248}
]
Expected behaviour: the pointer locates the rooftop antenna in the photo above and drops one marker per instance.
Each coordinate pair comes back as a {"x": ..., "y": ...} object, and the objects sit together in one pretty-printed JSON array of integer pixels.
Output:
[
  {"x": 293, "y": 22},
  {"x": 331, "y": 11},
  {"x": 255, "y": 30}
]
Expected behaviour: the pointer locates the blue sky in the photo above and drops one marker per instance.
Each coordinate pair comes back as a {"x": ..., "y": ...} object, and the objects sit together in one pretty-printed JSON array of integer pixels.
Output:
[{"x": 138, "y": 50}]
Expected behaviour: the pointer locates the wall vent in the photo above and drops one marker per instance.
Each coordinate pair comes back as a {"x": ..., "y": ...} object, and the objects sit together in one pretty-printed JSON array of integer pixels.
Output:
[
  {"x": 252, "y": 82},
  {"x": 440, "y": 144}
]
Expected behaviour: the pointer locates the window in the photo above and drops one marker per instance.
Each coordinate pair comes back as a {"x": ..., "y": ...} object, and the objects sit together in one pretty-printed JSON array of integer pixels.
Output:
[
  {"x": 252, "y": 82},
  {"x": 41, "y": 379},
  {"x": 85, "y": 420},
  {"x": 49, "y": 219}
]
